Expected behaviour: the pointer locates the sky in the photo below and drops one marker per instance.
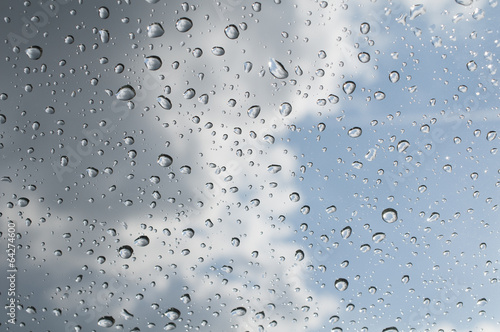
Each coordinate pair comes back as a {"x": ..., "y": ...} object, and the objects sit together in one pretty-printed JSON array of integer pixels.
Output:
[{"x": 370, "y": 206}]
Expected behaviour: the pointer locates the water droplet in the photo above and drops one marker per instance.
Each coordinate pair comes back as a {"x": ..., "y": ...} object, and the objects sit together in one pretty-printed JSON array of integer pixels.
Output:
[
  {"x": 364, "y": 57},
  {"x": 240, "y": 311},
  {"x": 394, "y": 76},
  {"x": 274, "y": 168},
  {"x": 126, "y": 92},
  {"x": 285, "y": 109},
  {"x": 490, "y": 136},
  {"x": 185, "y": 169},
  {"x": 173, "y": 314},
  {"x": 189, "y": 93},
  {"x": 92, "y": 172},
  {"x": 354, "y": 132},
  {"x": 169, "y": 326},
  {"x": 257, "y": 6},
  {"x": 464, "y": 2},
  {"x": 349, "y": 87},
  {"x": 331, "y": 209},
  {"x": 341, "y": 284},
  {"x": 305, "y": 209},
  {"x": 299, "y": 255},
  {"x": 231, "y": 31},
  {"x": 364, "y": 28},
  {"x": 34, "y": 52},
  {"x": 378, "y": 237},
  {"x": 153, "y": 62},
  {"x": 472, "y": 65},
  {"x": 346, "y": 232},
  {"x": 277, "y": 69},
  {"x": 104, "y": 35},
  {"x": 183, "y": 24},
  {"x": 103, "y": 12},
  {"x": 142, "y": 241},
  {"x": 379, "y": 95},
  {"x": 253, "y": 111},
  {"x": 247, "y": 66},
  {"x": 155, "y": 30},
  {"x": 23, "y": 202},
  {"x": 389, "y": 215},
  {"x": 294, "y": 197},
  {"x": 405, "y": 279},
  {"x": 403, "y": 145},
  {"x": 164, "y": 102},
  {"x": 218, "y": 51},
  {"x": 164, "y": 160},
  {"x": 447, "y": 168},
  {"x": 106, "y": 321},
  {"x": 125, "y": 252},
  {"x": 333, "y": 99}
]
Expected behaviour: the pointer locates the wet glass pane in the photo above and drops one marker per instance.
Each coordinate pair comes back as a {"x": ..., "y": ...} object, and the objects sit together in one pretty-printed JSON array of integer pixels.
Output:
[{"x": 249, "y": 166}]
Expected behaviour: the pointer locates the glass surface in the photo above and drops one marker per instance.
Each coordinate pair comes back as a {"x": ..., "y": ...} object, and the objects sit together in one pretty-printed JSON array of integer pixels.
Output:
[{"x": 267, "y": 166}]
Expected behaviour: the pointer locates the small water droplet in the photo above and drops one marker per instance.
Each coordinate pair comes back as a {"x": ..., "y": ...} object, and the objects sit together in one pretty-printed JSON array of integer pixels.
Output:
[
  {"x": 103, "y": 12},
  {"x": 218, "y": 51}
]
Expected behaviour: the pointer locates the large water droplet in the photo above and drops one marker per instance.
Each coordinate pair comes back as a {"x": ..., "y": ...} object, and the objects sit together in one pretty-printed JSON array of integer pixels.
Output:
[
  {"x": 364, "y": 57},
  {"x": 164, "y": 160},
  {"x": 231, "y": 31},
  {"x": 274, "y": 168},
  {"x": 285, "y": 109},
  {"x": 173, "y": 314},
  {"x": 183, "y": 24},
  {"x": 103, "y": 12},
  {"x": 364, "y": 28},
  {"x": 389, "y": 215},
  {"x": 299, "y": 255},
  {"x": 106, "y": 321},
  {"x": 277, "y": 69},
  {"x": 125, "y": 252},
  {"x": 471, "y": 65},
  {"x": 155, "y": 30},
  {"x": 240, "y": 311},
  {"x": 218, "y": 51},
  {"x": 464, "y": 2},
  {"x": 142, "y": 241},
  {"x": 403, "y": 145},
  {"x": 341, "y": 284},
  {"x": 153, "y": 62},
  {"x": 349, "y": 87},
  {"x": 164, "y": 102},
  {"x": 394, "y": 76},
  {"x": 92, "y": 172},
  {"x": 253, "y": 111},
  {"x": 126, "y": 92},
  {"x": 355, "y": 132},
  {"x": 23, "y": 202},
  {"x": 34, "y": 52}
]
